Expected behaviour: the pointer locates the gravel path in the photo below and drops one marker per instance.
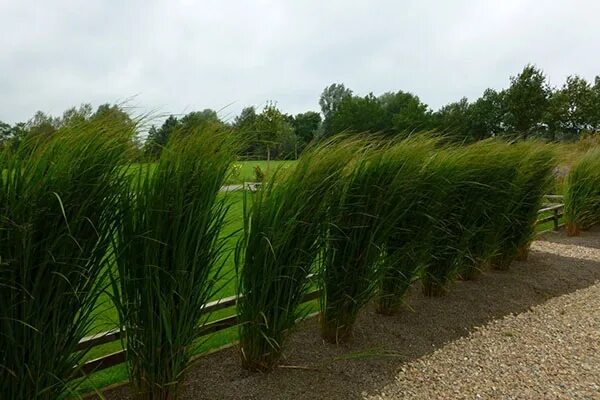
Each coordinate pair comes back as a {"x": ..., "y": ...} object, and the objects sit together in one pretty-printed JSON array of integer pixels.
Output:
[
  {"x": 551, "y": 352},
  {"x": 528, "y": 333}
]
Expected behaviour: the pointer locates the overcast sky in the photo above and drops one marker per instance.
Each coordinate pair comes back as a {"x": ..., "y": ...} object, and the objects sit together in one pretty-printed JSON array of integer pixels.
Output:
[{"x": 178, "y": 56}]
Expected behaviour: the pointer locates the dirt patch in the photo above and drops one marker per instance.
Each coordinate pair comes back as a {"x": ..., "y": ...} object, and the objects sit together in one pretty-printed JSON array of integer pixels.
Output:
[{"x": 382, "y": 345}]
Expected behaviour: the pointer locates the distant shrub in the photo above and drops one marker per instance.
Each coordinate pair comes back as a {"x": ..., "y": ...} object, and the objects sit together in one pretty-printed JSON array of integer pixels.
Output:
[
  {"x": 259, "y": 175},
  {"x": 236, "y": 170},
  {"x": 588, "y": 141}
]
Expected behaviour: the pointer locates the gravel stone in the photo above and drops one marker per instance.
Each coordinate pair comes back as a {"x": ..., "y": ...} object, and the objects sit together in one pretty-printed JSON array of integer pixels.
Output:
[{"x": 551, "y": 352}]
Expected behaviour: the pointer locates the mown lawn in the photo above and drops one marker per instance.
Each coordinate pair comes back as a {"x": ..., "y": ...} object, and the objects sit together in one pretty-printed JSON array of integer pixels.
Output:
[
  {"x": 242, "y": 171},
  {"x": 107, "y": 318},
  {"x": 246, "y": 170}
]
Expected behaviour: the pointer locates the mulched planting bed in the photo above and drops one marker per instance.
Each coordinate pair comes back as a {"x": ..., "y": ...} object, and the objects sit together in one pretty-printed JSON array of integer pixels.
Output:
[{"x": 383, "y": 345}]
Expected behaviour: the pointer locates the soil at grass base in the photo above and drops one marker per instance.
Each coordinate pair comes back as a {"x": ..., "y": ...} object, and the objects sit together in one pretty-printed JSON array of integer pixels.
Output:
[
  {"x": 572, "y": 229},
  {"x": 523, "y": 253}
]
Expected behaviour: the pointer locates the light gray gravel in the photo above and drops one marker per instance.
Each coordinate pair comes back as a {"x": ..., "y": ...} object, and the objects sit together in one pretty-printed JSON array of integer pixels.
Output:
[
  {"x": 551, "y": 352},
  {"x": 567, "y": 250}
]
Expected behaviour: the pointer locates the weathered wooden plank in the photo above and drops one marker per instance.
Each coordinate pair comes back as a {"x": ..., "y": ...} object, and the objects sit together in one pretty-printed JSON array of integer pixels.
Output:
[
  {"x": 98, "y": 339},
  {"x": 218, "y": 325},
  {"x": 546, "y": 219},
  {"x": 220, "y": 304},
  {"x": 100, "y": 363},
  {"x": 551, "y": 208},
  {"x": 118, "y": 357}
]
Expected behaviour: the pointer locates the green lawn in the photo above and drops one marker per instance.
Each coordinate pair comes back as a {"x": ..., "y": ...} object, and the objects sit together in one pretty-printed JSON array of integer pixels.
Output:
[
  {"x": 107, "y": 318},
  {"x": 548, "y": 225},
  {"x": 245, "y": 171}
]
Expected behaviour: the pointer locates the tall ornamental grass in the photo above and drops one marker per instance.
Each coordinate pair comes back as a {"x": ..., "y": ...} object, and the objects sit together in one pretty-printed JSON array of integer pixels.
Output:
[
  {"x": 168, "y": 257},
  {"x": 582, "y": 200},
  {"x": 58, "y": 212},
  {"x": 404, "y": 248},
  {"x": 491, "y": 168},
  {"x": 535, "y": 175},
  {"x": 361, "y": 215},
  {"x": 282, "y": 228},
  {"x": 449, "y": 187}
]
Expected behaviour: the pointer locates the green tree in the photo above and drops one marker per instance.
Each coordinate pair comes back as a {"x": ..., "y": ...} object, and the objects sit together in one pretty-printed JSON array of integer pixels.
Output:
[
  {"x": 359, "y": 114},
  {"x": 526, "y": 100},
  {"x": 306, "y": 125},
  {"x": 455, "y": 120},
  {"x": 487, "y": 114},
  {"x": 246, "y": 120},
  {"x": 17, "y": 133},
  {"x": 580, "y": 110},
  {"x": 42, "y": 125},
  {"x": 115, "y": 114},
  {"x": 405, "y": 112},
  {"x": 595, "y": 113},
  {"x": 200, "y": 120},
  {"x": 117, "y": 118},
  {"x": 272, "y": 128},
  {"x": 331, "y": 97},
  {"x": 557, "y": 114},
  {"x": 158, "y": 138},
  {"x": 245, "y": 127},
  {"x": 77, "y": 115},
  {"x": 5, "y": 131}
]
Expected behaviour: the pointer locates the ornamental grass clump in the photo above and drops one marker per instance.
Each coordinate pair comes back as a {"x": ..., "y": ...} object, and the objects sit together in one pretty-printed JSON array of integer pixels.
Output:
[
  {"x": 405, "y": 245},
  {"x": 361, "y": 215},
  {"x": 168, "y": 253},
  {"x": 491, "y": 168},
  {"x": 282, "y": 228},
  {"x": 449, "y": 187},
  {"x": 582, "y": 200},
  {"x": 534, "y": 176},
  {"x": 58, "y": 213}
]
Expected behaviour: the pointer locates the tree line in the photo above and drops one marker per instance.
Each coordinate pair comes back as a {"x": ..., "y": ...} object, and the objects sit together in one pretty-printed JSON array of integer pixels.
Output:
[
  {"x": 42, "y": 125},
  {"x": 528, "y": 107}
]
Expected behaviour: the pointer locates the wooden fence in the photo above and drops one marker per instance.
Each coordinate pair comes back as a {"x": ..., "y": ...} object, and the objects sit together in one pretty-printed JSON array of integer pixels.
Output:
[
  {"x": 118, "y": 357},
  {"x": 555, "y": 208}
]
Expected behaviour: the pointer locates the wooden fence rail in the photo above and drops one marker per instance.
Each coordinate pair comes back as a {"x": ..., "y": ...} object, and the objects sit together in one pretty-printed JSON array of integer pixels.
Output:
[
  {"x": 118, "y": 357},
  {"x": 556, "y": 207},
  {"x": 557, "y": 213}
]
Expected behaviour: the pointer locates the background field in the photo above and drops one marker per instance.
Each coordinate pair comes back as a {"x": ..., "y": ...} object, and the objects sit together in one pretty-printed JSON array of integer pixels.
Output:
[{"x": 246, "y": 170}]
